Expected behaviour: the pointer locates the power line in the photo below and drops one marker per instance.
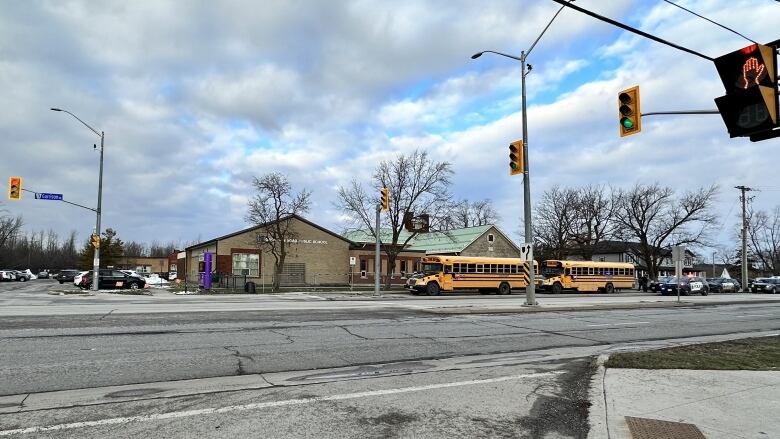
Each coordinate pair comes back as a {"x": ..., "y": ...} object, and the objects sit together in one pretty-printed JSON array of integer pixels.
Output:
[
  {"x": 631, "y": 29},
  {"x": 713, "y": 22}
]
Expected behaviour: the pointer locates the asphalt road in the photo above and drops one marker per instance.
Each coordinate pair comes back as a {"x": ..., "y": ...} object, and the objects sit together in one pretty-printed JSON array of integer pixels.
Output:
[{"x": 375, "y": 371}]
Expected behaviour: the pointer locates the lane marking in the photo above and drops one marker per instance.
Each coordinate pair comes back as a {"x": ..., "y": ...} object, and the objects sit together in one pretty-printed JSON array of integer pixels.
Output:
[
  {"x": 618, "y": 324},
  {"x": 270, "y": 404}
]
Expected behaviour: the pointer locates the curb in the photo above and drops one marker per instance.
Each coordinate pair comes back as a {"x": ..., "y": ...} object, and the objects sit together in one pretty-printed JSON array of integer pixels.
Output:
[
  {"x": 539, "y": 309},
  {"x": 598, "y": 414}
]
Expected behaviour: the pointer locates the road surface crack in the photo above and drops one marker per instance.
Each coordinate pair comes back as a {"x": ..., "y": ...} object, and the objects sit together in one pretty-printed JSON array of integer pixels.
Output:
[
  {"x": 21, "y": 404},
  {"x": 352, "y": 333},
  {"x": 107, "y": 314},
  {"x": 288, "y": 337},
  {"x": 239, "y": 357}
]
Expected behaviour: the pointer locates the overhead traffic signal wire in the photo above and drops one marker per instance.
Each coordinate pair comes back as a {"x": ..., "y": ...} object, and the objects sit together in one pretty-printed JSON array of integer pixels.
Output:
[
  {"x": 713, "y": 22},
  {"x": 631, "y": 29}
]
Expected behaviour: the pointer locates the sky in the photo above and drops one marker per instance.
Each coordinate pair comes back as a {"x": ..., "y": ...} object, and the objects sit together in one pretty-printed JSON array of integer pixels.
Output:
[{"x": 197, "y": 97}]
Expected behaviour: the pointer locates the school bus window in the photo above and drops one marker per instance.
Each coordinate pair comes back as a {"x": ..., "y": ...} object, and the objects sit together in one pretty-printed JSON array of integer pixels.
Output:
[
  {"x": 590, "y": 270},
  {"x": 494, "y": 268}
]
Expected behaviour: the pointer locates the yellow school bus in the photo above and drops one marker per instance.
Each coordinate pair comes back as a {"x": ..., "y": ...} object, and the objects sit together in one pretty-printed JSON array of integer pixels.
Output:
[
  {"x": 586, "y": 276},
  {"x": 450, "y": 273}
]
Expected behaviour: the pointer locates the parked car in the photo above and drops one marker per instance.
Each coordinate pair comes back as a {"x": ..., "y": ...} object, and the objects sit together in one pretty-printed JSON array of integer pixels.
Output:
[
  {"x": 7, "y": 275},
  {"x": 722, "y": 285},
  {"x": 655, "y": 285},
  {"x": 688, "y": 285},
  {"x": 766, "y": 285},
  {"x": 43, "y": 275},
  {"x": 111, "y": 278},
  {"x": 22, "y": 276},
  {"x": 77, "y": 278},
  {"x": 66, "y": 276}
]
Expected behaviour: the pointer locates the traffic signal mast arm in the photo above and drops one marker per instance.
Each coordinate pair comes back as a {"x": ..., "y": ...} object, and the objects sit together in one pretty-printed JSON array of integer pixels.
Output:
[{"x": 64, "y": 201}]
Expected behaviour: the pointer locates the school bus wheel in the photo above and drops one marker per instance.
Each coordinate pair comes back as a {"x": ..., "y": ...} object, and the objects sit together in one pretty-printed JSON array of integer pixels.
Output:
[
  {"x": 433, "y": 289},
  {"x": 557, "y": 288},
  {"x": 504, "y": 288},
  {"x": 609, "y": 288}
]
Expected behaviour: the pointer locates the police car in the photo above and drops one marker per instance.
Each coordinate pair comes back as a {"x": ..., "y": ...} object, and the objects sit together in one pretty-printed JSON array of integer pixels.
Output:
[{"x": 688, "y": 285}]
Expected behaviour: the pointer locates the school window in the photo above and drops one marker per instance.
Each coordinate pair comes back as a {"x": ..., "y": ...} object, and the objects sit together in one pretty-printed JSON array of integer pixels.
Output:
[
  {"x": 471, "y": 268},
  {"x": 246, "y": 264},
  {"x": 590, "y": 270},
  {"x": 480, "y": 268}
]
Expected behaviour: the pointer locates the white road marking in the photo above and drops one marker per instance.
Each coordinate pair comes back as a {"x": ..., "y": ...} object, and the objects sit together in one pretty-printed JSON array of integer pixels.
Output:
[
  {"x": 262, "y": 405},
  {"x": 618, "y": 324},
  {"x": 756, "y": 315}
]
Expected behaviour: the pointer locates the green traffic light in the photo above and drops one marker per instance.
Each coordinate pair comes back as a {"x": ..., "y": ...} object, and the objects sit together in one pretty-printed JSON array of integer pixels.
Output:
[
  {"x": 627, "y": 123},
  {"x": 513, "y": 165}
]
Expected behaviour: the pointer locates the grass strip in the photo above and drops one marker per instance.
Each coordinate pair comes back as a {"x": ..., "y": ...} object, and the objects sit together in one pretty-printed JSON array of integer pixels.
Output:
[{"x": 761, "y": 353}]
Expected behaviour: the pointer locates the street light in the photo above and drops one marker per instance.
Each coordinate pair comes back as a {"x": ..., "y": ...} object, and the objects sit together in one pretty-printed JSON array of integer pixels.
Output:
[
  {"x": 96, "y": 260},
  {"x": 530, "y": 295}
]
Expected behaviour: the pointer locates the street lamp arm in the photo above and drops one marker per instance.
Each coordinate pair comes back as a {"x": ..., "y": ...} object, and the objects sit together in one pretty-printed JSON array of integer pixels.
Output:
[
  {"x": 478, "y": 54},
  {"x": 77, "y": 118}
]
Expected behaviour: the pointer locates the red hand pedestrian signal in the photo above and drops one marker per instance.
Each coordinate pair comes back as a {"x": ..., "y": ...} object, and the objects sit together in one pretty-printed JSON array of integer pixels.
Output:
[{"x": 752, "y": 72}]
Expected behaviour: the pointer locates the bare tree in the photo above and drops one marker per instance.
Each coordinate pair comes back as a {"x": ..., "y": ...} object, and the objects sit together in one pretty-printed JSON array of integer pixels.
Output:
[
  {"x": 592, "y": 219},
  {"x": 9, "y": 229},
  {"x": 763, "y": 234},
  {"x": 653, "y": 216},
  {"x": 553, "y": 218},
  {"x": 417, "y": 185},
  {"x": 271, "y": 208},
  {"x": 465, "y": 213}
]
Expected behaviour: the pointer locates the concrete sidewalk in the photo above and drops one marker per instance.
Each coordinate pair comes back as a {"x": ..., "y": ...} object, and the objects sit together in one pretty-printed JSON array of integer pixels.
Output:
[{"x": 722, "y": 404}]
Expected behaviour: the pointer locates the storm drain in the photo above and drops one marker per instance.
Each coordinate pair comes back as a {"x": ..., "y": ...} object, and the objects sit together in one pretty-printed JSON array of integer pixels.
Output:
[{"x": 643, "y": 428}]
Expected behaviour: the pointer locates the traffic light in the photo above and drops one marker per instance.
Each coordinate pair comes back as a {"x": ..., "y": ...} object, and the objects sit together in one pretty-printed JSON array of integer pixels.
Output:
[
  {"x": 629, "y": 112},
  {"x": 15, "y": 188},
  {"x": 749, "y": 75},
  {"x": 385, "y": 198},
  {"x": 516, "y": 157},
  {"x": 95, "y": 241}
]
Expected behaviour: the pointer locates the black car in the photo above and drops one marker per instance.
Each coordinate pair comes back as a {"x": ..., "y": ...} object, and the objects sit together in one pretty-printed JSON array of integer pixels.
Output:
[
  {"x": 655, "y": 285},
  {"x": 688, "y": 285},
  {"x": 767, "y": 285},
  {"x": 43, "y": 275},
  {"x": 110, "y": 279},
  {"x": 66, "y": 276}
]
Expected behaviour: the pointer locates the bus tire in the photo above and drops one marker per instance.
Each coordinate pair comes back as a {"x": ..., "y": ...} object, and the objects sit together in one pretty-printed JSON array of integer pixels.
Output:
[
  {"x": 433, "y": 289},
  {"x": 609, "y": 288},
  {"x": 504, "y": 288},
  {"x": 557, "y": 288}
]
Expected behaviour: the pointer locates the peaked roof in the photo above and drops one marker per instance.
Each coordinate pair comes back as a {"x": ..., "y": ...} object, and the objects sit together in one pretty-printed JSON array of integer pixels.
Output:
[
  {"x": 260, "y": 226},
  {"x": 450, "y": 241}
]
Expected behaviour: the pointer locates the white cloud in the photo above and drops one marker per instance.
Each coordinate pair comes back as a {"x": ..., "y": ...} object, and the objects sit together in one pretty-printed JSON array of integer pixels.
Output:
[{"x": 196, "y": 100}]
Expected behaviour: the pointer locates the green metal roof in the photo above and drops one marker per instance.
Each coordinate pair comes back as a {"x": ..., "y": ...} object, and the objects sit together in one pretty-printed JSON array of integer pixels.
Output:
[{"x": 450, "y": 241}]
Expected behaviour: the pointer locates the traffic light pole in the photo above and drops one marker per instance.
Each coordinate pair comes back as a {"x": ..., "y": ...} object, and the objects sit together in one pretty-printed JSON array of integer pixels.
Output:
[
  {"x": 530, "y": 290},
  {"x": 96, "y": 260},
  {"x": 377, "y": 262}
]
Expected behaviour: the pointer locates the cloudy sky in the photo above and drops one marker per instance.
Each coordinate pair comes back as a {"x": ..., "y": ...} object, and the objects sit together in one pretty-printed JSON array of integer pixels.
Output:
[{"x": 196, "y": 97}]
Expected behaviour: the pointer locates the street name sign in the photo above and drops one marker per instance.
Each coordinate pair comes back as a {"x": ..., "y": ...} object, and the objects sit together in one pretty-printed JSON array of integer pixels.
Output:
[{"x": 47, "y": 196}]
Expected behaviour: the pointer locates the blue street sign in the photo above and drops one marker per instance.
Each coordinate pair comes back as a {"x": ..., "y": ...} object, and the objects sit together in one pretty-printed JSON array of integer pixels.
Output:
[{"x": 45, "y": 196}]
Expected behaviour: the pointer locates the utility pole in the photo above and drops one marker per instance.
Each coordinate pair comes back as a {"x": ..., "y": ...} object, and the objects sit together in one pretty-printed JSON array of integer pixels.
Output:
[{"x": 742, "y": 197}]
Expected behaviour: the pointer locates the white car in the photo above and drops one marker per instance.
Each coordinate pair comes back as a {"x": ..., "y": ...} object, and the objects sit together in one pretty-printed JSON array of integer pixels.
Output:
[
  {"x": 77, "y": 278},
  {"x": 7, "y": 276}
]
